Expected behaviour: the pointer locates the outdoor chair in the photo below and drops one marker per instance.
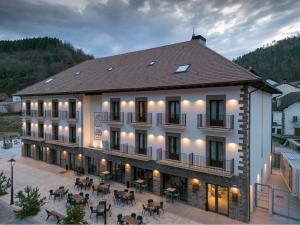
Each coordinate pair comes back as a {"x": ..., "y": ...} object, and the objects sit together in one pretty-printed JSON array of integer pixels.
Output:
[
  {"x": 109, "y": 209},
  {"x": 176, "y": 196},
  {"x": 161, "y": 206},
  {"x": 81, "y": 194},
  {"x": 51, "y": 193},
  {"x": 133, "y": 215},
  {"x": 93, "y": 211},
  {"x": 140, "y": 219},
  {"x": 119, "y": 221},
  {"x": 125, "y": 190},
  {"x": 94, "y": 189},
  {"x": 146, "y": 209}
]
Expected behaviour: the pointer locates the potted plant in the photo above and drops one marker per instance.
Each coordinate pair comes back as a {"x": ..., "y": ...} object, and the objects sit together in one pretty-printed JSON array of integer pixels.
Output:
[
  {"x": 4, "y": 183},
  {"x": 75, "y": 215}
]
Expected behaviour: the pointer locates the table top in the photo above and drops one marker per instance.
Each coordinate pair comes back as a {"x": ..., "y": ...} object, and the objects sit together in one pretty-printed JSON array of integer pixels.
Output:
[
  {"x": 124, "y": 194},
  {"x": 171, "y": 189},
  {"x": 55, "y": 213},
  {"x": 105, "y": 173},
  {"x": 154, "y": 204},
  {"x": 77, "y": 197},
  {"x": 60, "y": 191},
  {"x": 130, "y": 220},
  {"x": 139, "y": 181}
]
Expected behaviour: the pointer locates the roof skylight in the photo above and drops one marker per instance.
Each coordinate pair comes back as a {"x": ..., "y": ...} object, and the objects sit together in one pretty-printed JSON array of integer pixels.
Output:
[
  {"x": 152, "y": 63},
  {"x": 109, "y": 68},
  {"x": 77, "y": 72},
  {"x": 182, "y": 68},
  {"x": 48, "y": 81}
]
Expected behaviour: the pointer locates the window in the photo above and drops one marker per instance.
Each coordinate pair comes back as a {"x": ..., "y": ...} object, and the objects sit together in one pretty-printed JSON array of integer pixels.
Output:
[
  {"x": 28, "y": 108},
  {"x": 141, "y": 141},
  {"x": 72, "y": 108},
  {"x": 216, "y": 115},
  {"x": 115, "y": 109},
  {"x": 72, "y": 134},
  {"x": 55, "y": 108},
  {"x": 173, "y": 110},
  {"x": 28, "y": 129},
  {"x": 152, "y": 63},
  {"x": 278, "y": 131},
  {"x": 41, "y": 130},
  {"x": 141, "y": 110},
  {"x": 173, "y": 146},
  {"x": 273, "y": 130},
  {"x": 48, "y": 81},
  {"x": 115, "y": 138},
  {"x": 41, "y": 109},
  {"x": 215, "y": 152},
  {"x": 55, "y": 132},
  {"x": 182, "y": 68}
]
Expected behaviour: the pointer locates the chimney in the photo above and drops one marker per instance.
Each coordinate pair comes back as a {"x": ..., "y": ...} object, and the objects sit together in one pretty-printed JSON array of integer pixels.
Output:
[
  {"x": 201, "y": 39},
  {"x": 284, "y": 81}
]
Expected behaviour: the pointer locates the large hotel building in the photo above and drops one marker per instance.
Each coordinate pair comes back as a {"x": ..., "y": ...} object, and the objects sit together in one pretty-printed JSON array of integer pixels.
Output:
[{"x": 179, "y": 115}]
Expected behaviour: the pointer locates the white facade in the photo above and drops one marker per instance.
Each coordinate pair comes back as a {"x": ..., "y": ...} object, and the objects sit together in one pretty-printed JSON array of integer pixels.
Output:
[{"x": 289, "y": 123}]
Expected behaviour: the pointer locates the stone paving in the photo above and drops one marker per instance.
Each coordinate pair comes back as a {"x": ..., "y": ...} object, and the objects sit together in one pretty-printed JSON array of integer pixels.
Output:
[{"x": 46, "y": 177}]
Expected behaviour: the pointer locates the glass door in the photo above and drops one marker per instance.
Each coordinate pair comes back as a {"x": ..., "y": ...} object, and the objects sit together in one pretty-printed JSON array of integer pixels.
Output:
[
  {"x": 217, "y": 199},
  {"x": 173, "y": 112},
  {"x": 173, "y": 146},
  {"x": 216, "y": 117},
  {"x": 216, "y": 154}
]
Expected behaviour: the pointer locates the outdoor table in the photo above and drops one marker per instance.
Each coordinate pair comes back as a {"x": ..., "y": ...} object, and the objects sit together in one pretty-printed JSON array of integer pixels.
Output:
[
  {"x": 153, "y": 205},
  {"x": 60, "y": 191},
  {"x": 172, "y": 191},
  {"x": 58, "y": 215},
  {"x": 105, "y": 174},
  {"x": 77, "y": 197},
  {"x": 130, "y": 220},
  {"x": 139, "y": 182}
]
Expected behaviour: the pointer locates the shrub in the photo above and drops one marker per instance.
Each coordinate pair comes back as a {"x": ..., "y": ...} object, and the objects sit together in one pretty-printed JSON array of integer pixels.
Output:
[
  {"x": 75, "y": 215},
  {"x": 4, "y": 183},
  {"x": 30, "y": 202}
]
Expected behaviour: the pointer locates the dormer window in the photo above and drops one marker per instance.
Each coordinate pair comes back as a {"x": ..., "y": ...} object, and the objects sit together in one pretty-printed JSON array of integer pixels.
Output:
[
  {"x": 152, "y": 63},
  {"x": 182, "y": 68}
]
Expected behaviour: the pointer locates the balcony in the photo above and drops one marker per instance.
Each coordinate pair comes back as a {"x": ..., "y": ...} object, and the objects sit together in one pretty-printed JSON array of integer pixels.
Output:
[
  {"x": 225, "y": 124},
  {"x": 73, "y": 116},
  {"x": 63, "y": 115},
  {"x": 48, "y": 114},
  {"x": 194, "y": 162},
  {"x": 33, "y": 136},
  {"x": 26, "y": 114},
  {"x": 112, "y": 118},
  {"x": 171, "y": 121},
  {"x": 127, "y": 151},
  {"x": 61, "y": 140},
  {"x": 34, "y": 113},
  {"x": 139, "y": 121}
]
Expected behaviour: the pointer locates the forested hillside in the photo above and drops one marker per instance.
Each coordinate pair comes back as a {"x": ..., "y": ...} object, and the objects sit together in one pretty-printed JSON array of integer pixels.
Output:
[
  {"x": 276, "y": 62},
  {"x": 25, "y": 62}
]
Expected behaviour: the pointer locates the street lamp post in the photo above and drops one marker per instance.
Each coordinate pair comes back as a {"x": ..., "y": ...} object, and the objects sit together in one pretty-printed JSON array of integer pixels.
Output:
[{"x": 12, "y": 162}]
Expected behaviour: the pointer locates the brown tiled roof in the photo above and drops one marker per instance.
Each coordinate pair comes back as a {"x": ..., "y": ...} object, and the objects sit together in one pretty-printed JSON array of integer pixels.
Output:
[{"x": 131, "y": 71}]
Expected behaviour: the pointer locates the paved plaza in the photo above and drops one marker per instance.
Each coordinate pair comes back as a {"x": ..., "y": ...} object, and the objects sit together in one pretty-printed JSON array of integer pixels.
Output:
[{"x": 46, "y": 177}]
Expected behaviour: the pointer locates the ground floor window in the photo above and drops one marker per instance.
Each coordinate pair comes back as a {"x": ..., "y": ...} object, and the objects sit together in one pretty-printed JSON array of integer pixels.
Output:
[
  {"x": 146, "y": 175},
  {"x": 53, "y": 157},
  {"x": 179, "y": 183},
  {"x": 117, "y": 170},
  {"x": 217, "y": 198},
  {"x": 27, "y": 150},
  {"x": 39, "y": 153},
  {"x": 91, "y": 165}
]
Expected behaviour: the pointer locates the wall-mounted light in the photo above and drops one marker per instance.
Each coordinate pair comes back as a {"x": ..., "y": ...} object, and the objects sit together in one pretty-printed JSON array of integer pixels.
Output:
[
  {"x": 199, "y": 103},
  {"x": 123, "y": 103},
  {"x": 156, "y": 173},
  {"x": 233, "y": 103},
  {"x": 234, "y": 193},
  {"x": 131, "y": 103},
  {"x": 195, "y": 185},
  {"x": 79, "y": 103}
]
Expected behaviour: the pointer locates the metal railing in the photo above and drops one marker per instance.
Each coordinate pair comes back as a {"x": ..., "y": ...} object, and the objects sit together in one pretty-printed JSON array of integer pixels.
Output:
[
  {"x": 48, "y": 137},
  {"x": 48, "y": 113},
  {"x": 111, "y": 117},
  {"x": 145, "y": 118},
  {"x": 171, "y": 119},
  {"x": 34, "y": 113},
  {"x": 195, "y": 161},
  {"x": 127, "y": 149},
  {"x": 63, "y": 114},
  {"x": 225, "y": 121}
]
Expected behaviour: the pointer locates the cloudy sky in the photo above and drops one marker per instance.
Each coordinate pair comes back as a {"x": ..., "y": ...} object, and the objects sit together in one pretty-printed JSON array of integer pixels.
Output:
[{"x": 108, "y": 27}]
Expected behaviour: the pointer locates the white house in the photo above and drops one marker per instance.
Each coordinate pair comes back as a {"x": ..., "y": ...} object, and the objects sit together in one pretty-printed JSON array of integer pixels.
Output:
[{"x": 179, "y": 116}]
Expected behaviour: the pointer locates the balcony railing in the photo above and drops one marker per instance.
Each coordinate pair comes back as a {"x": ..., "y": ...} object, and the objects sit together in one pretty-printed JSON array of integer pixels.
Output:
[
  {"x": 126, "y": 150},
  {"x": 195, "y": 162},
  {"x": 63, "y": 115},
  {"x": 48, "y": 137},
  {"x": 171, "y": 119},
  {"x": 48, "y": 113},
  {"x": 296, "y": 119},
  {"x": 112, "y": 117},
  {"x": 135, "y": 118},
  {"x": 34, "y": 113},
  {"x": 32, "y": 135},
  {"x": 224, "y": 122}
]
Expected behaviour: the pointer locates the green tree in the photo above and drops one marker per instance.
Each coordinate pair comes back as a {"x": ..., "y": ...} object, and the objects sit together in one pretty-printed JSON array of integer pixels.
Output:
[
  {"x": 75, "y": 215},
  {"x": 30, "y": 202},
  {"x": 4, "y": 183}
]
